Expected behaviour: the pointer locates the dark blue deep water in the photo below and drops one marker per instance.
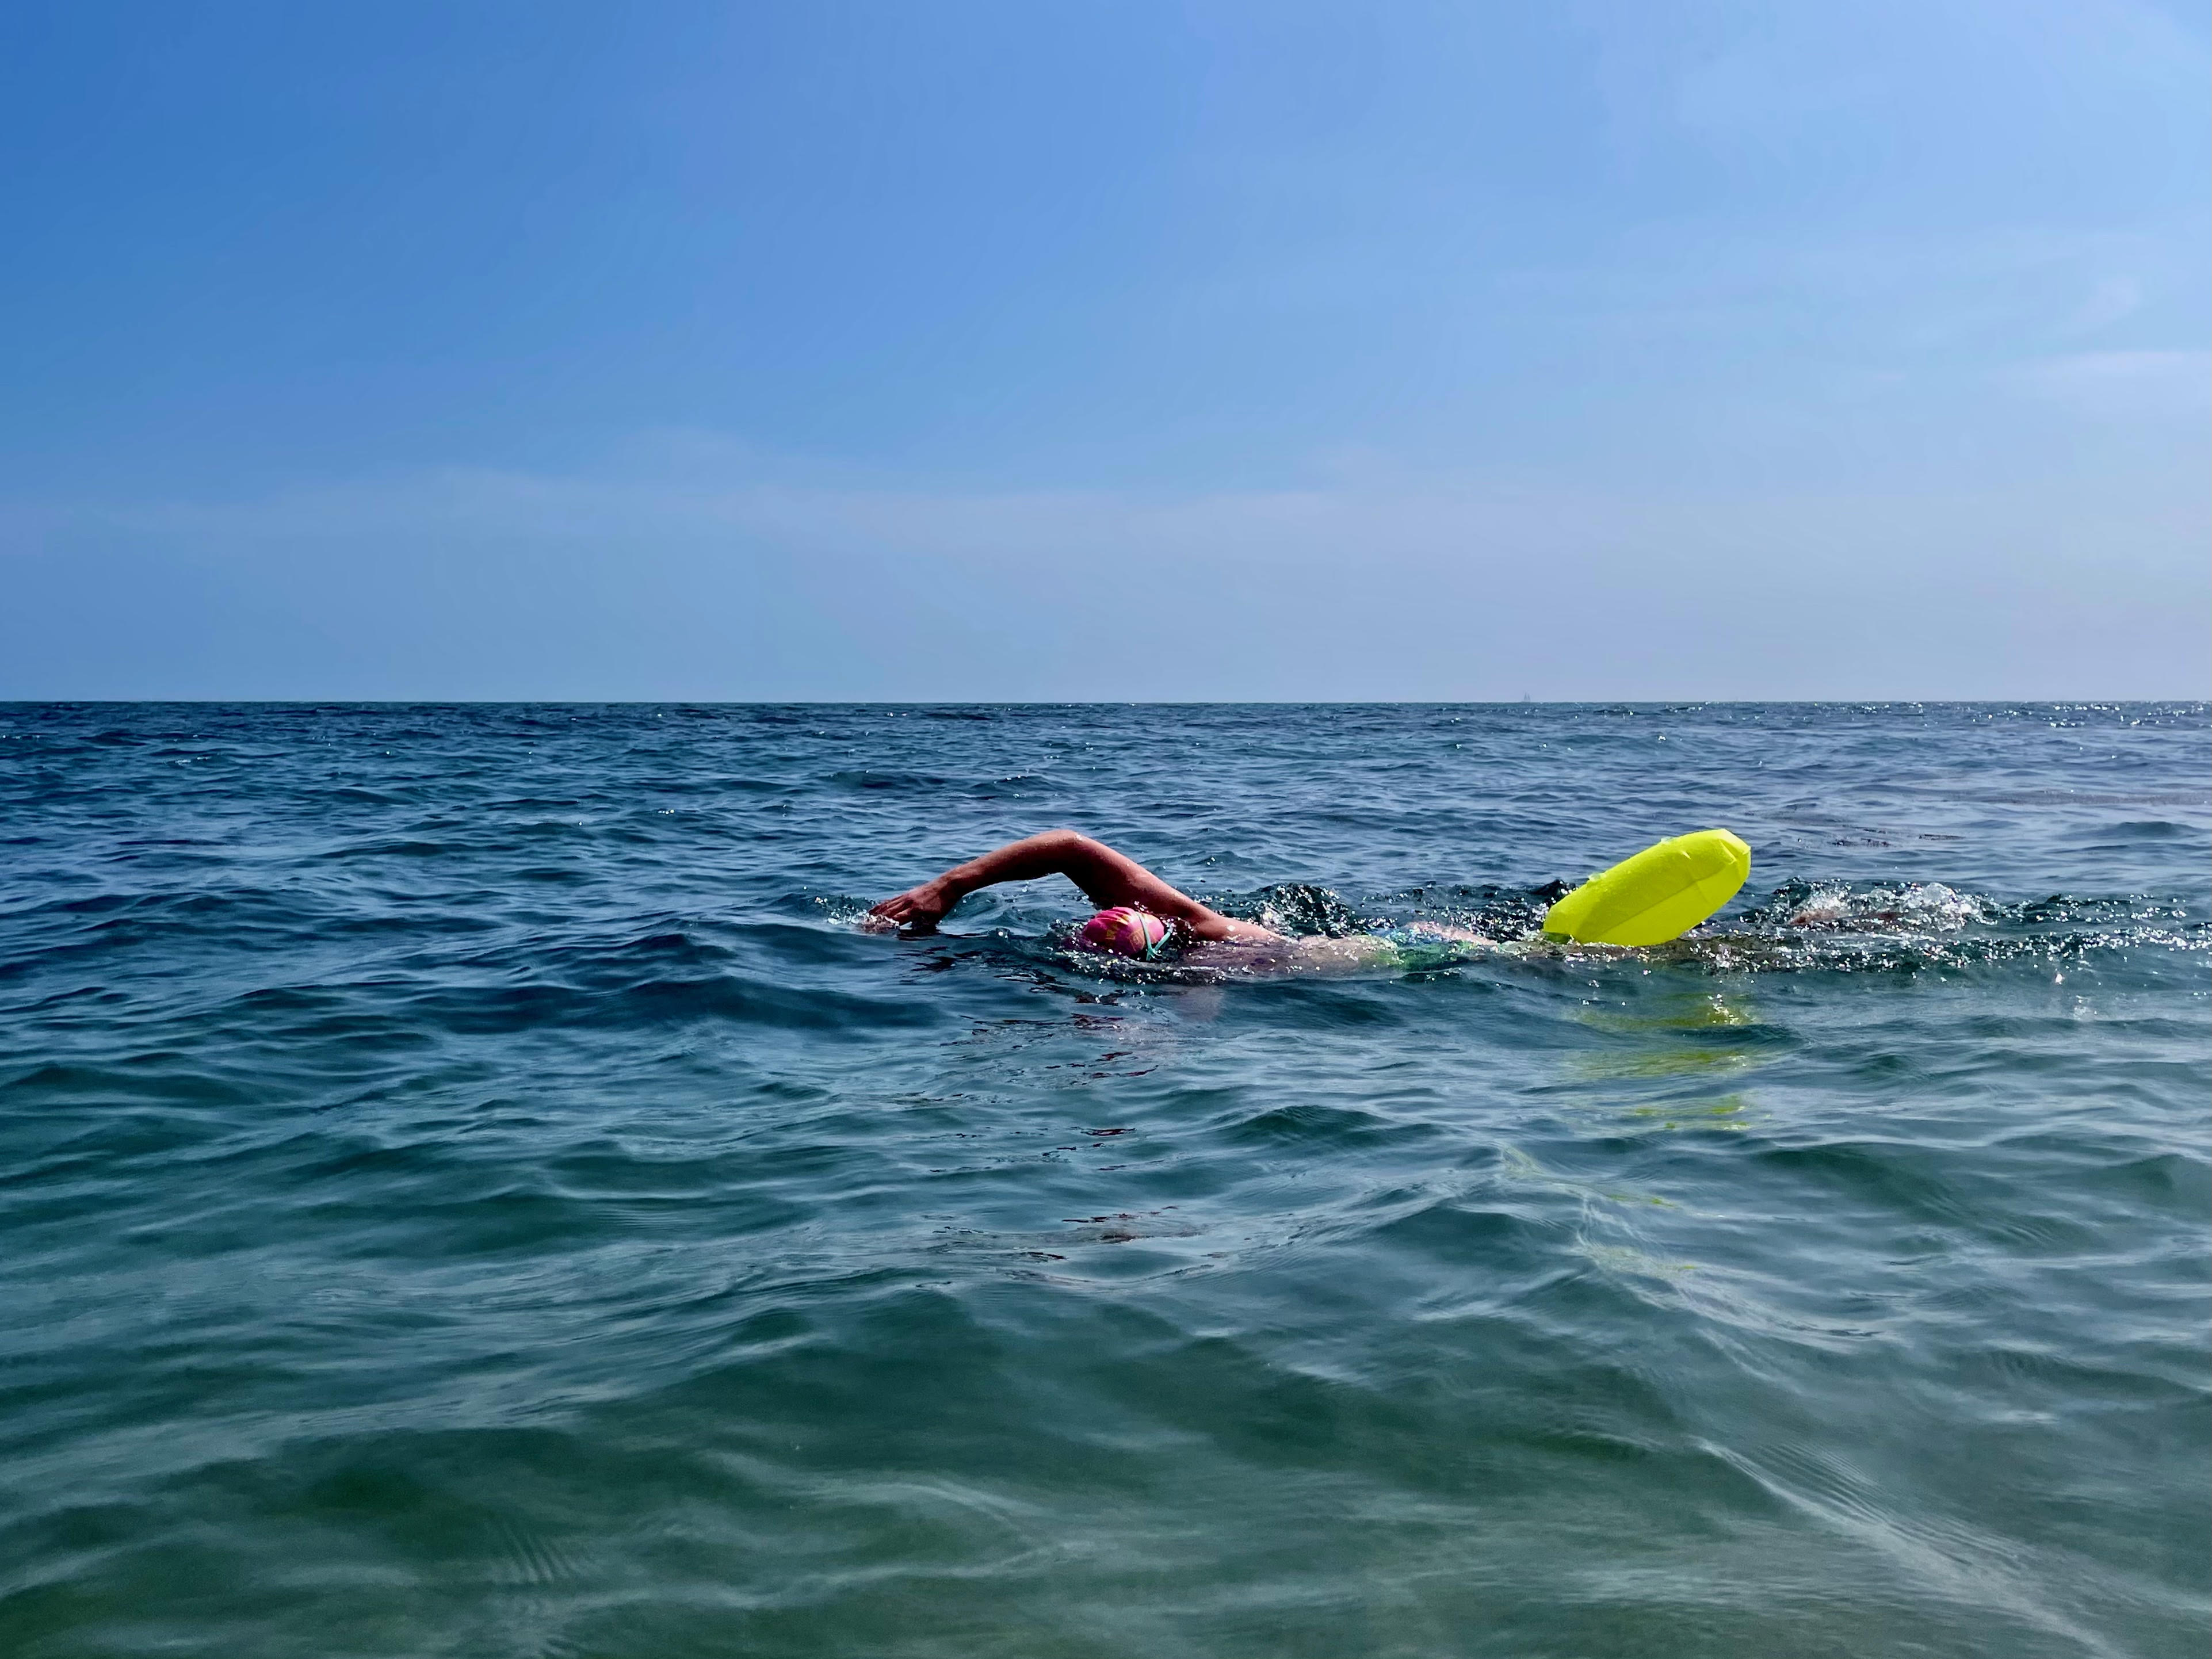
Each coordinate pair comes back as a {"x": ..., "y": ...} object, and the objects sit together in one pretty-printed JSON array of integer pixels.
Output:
[{"x": 467, "y": 1186}]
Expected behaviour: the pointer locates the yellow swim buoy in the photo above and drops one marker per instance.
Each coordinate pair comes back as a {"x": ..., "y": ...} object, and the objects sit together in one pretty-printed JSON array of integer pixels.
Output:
[{"x": 1660, "y": 894}]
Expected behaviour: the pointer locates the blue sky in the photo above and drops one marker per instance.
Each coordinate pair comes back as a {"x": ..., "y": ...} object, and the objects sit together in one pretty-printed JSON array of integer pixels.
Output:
[{"x": 978, "y": 350}]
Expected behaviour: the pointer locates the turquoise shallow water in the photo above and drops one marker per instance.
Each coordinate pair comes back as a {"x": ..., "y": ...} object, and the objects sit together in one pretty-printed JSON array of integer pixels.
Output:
[{"x": 467, "y": 1186}]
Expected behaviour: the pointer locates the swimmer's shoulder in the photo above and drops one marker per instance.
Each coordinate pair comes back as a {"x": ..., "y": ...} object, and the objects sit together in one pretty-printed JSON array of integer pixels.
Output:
[{"x": 1206, "y": 926}]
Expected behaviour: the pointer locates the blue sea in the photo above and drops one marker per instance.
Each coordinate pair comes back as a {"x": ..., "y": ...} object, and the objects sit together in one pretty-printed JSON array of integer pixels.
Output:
[{"x": 469, "y": 1186}]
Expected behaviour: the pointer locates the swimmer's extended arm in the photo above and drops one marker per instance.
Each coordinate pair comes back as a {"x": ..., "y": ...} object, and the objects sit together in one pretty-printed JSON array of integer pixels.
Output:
[{"x": 1106, "y": 876}]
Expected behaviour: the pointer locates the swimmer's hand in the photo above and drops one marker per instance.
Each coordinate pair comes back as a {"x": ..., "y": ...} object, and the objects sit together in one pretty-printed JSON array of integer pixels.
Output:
[{"x": 918, "y": 909}]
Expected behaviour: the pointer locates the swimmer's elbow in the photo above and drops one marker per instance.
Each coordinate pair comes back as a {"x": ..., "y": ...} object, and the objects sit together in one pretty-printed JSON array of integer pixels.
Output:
[
  {"x": 1067, "y": 841},
  {"x": 1092, "y": 865}
]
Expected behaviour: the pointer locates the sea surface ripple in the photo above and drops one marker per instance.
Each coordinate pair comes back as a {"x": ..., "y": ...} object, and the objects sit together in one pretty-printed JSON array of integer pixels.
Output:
[{"x": 468, "y": 1186}]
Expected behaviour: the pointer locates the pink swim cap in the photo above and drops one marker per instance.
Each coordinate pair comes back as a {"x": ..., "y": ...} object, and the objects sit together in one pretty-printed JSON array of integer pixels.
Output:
[{"x": 1126, "y": 931}]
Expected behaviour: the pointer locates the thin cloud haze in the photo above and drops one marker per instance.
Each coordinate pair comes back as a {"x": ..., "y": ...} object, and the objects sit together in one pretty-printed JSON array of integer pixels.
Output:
[{"x": 1708, "y": 350}]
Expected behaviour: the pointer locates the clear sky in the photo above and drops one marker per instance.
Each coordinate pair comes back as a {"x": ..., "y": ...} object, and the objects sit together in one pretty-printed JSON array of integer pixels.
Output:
[{"x": 1645, "y": 350}]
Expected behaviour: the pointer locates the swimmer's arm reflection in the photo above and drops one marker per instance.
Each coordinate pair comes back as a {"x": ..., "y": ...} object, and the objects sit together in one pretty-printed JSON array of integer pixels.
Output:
[{"x": 1106, "y": 876}]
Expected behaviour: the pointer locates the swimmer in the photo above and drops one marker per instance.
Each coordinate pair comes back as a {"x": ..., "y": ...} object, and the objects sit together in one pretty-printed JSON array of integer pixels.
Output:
[{"x": 1140, "y": 914}]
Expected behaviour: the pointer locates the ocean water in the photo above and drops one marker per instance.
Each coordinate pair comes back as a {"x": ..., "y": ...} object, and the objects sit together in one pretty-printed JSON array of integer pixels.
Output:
[{"x": 469, "y": 1187}]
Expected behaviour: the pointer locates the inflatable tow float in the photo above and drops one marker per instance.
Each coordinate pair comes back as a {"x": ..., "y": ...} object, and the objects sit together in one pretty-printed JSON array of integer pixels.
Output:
[{"x": 1659, "y": 894}]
